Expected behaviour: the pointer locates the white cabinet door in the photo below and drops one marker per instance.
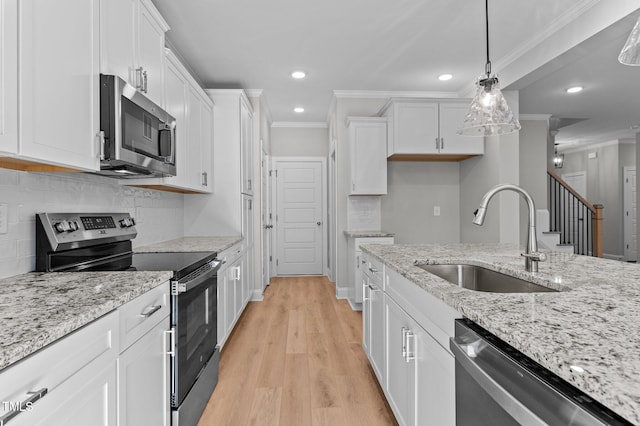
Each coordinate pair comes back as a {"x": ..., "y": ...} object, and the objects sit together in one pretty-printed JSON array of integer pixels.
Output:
[
  {"x": 377, "y": 343},
  {"x": 194, "y": 123},
  {"x": 238, "y": 299},
  {"x": 9, "y": 76},
  {"x": 118, "y": 20},
  {"x": 223, "y": 273},
  {"x": 143, "y": 380},
  {"x": 206, "y": 146},
  {"x": 399, "y": 377},
  {"x": 59, "y": 84},
  {"x": 451, "y": 118},
  {"x": 368, "y": 155},
  {"x": 176, "y": 105},
  {"x": 435, "y": 403},
  {"x": 150, "y": 51},
  {"x": 246, "y": 144},
  {"x": 414, "y": 128},
  {"x": 366, "y": 316}
]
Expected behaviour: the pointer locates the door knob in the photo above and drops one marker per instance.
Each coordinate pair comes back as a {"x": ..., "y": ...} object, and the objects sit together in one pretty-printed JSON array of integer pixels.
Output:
[{"x": 318, "y": 223}]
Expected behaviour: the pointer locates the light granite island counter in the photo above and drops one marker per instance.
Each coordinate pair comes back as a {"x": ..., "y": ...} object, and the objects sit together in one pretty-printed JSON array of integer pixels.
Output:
[{"x": 593, "y": 322}]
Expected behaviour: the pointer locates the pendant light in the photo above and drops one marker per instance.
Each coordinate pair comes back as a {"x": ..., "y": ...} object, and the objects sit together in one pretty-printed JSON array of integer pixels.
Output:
[
  {"x": 630, "y": 53},
  {"x": 558, "y": 159},
  {"x": 489, "y": 113}
]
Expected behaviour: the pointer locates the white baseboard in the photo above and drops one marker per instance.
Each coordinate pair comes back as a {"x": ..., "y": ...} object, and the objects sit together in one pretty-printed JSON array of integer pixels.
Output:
[
  {"x": 355, "y": 306},
  {"x": 257, "y": 296},
  {"x": 342, "y": 292},
  {"x": 613, "y": 256}
]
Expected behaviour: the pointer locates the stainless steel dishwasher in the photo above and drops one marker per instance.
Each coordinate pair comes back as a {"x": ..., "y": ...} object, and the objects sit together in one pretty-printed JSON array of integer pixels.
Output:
[{"x": 497, "y": 385}]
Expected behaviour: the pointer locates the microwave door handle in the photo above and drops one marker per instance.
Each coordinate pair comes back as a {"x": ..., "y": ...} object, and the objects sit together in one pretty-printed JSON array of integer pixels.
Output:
[{"x": 170, "y": 156}]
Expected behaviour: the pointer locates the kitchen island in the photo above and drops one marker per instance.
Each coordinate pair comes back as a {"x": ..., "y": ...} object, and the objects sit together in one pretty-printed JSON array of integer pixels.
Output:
[{"x": 588, "y": 332}]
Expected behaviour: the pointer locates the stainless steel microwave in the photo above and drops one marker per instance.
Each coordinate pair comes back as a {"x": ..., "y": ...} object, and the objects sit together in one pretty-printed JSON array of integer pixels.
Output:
[{"x": 138, "y": 138}]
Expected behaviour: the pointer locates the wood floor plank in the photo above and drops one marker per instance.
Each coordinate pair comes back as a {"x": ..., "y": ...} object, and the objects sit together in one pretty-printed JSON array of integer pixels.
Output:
[
  {"x": 296, "y": 358},
  {"x": 265, "y": 410}
]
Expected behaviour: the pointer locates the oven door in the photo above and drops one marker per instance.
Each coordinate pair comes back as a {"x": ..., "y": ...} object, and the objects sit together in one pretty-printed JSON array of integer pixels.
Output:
[{"x": 194, "y": 306}]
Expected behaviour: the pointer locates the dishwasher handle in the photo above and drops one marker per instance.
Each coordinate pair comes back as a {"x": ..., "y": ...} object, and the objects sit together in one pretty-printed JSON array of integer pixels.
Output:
[{"x": 508, "y": 402}]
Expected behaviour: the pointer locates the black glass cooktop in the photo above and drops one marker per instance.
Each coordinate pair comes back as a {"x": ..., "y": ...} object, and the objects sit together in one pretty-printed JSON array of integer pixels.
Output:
[{"x": 181, "y": 263}]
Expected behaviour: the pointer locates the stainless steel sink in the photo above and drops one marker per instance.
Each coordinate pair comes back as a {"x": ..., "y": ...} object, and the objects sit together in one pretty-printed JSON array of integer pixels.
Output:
[{"x": 477, "y": 278}]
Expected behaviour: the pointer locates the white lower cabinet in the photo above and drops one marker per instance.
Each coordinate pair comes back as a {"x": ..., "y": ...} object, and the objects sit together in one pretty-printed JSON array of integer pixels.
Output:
[
  {"x": 143, "y": 365},
  {"x": 230, "y": 291},
  {"x": 405, "y": 334},
  {"x": 75, "y": 376}
]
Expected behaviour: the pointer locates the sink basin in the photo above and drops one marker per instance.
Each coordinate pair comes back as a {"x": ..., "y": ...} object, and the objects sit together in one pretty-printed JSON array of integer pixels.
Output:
[{"x": 477, "y": 278}]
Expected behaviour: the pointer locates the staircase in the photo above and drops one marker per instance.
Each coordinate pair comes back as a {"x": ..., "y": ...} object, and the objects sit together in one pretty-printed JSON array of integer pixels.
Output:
[{"x": 574, "y": 224}]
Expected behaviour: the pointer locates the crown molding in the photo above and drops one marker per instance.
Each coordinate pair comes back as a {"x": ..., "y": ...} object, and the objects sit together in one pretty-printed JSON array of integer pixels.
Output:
[
  {"x": 254, "y": 93},
  {"x": 300, "y": 124}
]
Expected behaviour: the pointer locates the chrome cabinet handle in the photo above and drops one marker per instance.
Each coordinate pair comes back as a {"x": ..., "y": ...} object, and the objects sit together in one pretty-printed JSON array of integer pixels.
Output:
[
  {"x": 152, "y": 310},
  {"x": 205, "y": 179},
  {"x": 404, "y": 342},
  {"x": 101, "y": 142},
  {"x": 139, "y": 79},
  {"x": 411, "y": 354},
  {"x": 373, "y": 270},
  {"x": 23, "y": 405},
  {"x": 172, "y": 341},
  {"x": 249, "y": 185},
  {"x": 145, "y": 82},
  {"x": 441, "y": 143},
  {"x": 437, "y": 145}
]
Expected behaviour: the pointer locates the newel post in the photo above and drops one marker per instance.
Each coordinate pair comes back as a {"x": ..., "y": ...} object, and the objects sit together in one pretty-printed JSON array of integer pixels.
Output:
[{"x": 597, "y": 230}]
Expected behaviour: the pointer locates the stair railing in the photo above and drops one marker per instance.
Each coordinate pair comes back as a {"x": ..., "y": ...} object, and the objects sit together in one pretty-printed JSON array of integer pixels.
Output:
[{"x": 577, "y": 220}]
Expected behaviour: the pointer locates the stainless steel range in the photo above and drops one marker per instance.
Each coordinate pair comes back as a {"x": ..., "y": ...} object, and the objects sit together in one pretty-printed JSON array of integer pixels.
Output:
[{"x": 73, "y": 242}]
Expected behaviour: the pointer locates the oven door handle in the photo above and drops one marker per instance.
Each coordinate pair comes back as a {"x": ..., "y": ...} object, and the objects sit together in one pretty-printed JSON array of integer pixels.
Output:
[
  {"x": 185, "y": 286},
  {"x": 508, "y": 402}
]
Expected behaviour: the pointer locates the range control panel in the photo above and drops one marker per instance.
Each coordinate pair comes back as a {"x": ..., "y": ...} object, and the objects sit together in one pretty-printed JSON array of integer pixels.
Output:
[{"x": 69, "y": 230}]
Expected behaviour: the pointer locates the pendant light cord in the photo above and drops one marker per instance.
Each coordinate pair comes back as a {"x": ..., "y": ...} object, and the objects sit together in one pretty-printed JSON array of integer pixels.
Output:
[{"x": 486, "y": 14}]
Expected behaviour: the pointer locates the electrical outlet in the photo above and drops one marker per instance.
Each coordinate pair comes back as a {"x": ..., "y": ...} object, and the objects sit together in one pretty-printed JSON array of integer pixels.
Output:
[
  {"x": 436, "y": 210},
  {"x": 4, "y": 218}
]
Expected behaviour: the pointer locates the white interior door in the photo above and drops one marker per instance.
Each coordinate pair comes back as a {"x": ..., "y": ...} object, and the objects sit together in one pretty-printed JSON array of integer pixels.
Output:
[
  {"x": 630, "y": 228},
  {"x": 266, "y": 217},
  {"x": 299, "y": 217}
]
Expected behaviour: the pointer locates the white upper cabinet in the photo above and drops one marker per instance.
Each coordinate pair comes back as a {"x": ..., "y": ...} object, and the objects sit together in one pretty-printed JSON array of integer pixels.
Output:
[
  {"x": 132, "y": 43},
  {"x": 58, "y": 71},
  {"x": 426, "y": 130},
  {"x": 368, "y": 155},
  {"x": 193, "y": 111},
  {"x": 246, "y": 144},
  {"x": 9, "y": 76}
]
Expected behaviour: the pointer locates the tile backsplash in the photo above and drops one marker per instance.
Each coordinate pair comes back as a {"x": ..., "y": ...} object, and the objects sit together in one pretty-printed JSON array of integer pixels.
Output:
[
  {"x": 363, "y": 213},
  {"x": 159, "y": 215}
]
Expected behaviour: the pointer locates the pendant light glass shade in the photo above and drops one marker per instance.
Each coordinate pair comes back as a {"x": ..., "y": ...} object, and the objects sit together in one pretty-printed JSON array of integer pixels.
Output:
[
  {"x": 630, "y": 53},
  {"x": 489, "y": 113}
]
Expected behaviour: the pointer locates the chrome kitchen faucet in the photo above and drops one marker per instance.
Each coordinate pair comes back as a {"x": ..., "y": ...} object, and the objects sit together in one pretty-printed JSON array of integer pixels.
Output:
[{"x": 531, "y": 256}]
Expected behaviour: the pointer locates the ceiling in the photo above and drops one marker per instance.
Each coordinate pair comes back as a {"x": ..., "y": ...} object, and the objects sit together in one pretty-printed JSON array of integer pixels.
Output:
[{"x": 400, "y": 45}]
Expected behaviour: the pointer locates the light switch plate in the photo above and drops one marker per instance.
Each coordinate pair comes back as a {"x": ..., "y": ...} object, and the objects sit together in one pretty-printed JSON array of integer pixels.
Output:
[
  {"x": 4, "y": 218},
  {"x": 436, "y": 210}
]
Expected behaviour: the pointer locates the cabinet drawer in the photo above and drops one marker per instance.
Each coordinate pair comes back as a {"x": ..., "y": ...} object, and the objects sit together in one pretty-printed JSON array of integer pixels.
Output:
[
  {"x": 229, "y": 255},
  {"x": 139, "y": 316},
  {"x": 53, "y": 365},
  {"x": 374, "y": 269}
]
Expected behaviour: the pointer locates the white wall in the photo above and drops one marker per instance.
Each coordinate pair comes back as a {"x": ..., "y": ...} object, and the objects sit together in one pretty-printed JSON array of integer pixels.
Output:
[
  {"x": 159, "y": 215},
  {"x": 499, "y": 164},
  {"x": 414, "y": 189},
  {"x": 299, "y": 142},
  {"x": 534, "y": 137}
]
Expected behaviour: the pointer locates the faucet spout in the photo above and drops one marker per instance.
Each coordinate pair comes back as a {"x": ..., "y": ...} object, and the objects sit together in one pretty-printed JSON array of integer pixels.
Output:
[{"x": 531, "y": 256}]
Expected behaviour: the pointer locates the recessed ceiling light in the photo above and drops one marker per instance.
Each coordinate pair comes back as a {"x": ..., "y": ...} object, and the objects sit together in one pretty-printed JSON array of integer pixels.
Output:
[
  {"x": 445, "y": 77},
  {"x": 575, "y": 89},
  {"x": 298, "y": 74},
  {"x": 298, "y": 110}
]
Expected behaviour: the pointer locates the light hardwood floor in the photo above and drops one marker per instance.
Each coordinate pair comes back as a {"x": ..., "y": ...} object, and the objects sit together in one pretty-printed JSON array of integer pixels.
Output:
[{"x": 296, "y": 359}]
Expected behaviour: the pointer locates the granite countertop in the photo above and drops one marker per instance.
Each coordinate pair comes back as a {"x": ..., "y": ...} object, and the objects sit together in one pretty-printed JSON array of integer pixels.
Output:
[
  {"x": 588, "y": 333},
  {"x": 368, "y": 234},
  {"x": 187, "y": 244},
  {"x": 38, "y": 308}
]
